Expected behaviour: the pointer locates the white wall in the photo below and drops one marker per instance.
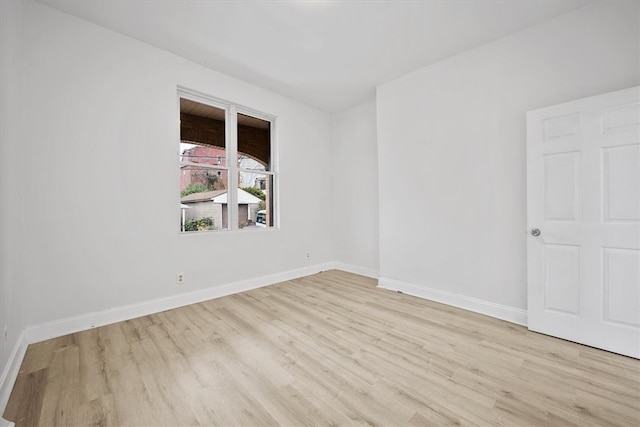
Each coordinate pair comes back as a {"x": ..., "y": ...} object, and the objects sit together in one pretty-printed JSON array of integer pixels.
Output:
[
  {"x": 451, "y": 140},
  {"x": 354, "y": 174},
  {"x": 11, "y": 300},
  {"x": 100, "y": 148}
]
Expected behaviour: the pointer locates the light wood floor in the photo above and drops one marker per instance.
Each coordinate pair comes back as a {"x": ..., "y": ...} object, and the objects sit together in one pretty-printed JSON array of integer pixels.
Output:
[{"x": 328, "y": 349}]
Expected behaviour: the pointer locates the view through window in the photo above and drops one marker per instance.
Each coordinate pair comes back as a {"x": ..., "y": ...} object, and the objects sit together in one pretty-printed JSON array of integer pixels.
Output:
[{"x": 214, "y": 192}]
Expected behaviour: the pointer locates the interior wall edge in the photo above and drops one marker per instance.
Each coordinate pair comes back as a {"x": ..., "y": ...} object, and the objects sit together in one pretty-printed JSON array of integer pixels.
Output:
[
  {"x": 10, "y": 373},
  {"x": 432, "y": 293},
  {"x": 356, "y": 269}
]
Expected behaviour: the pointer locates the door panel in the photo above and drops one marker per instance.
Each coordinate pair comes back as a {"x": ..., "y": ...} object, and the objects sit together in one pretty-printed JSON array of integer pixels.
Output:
[
  {"x": 583, "y": 194},
  {"x": 620, "y": 189},
  {"x": 562, "y": 278},
  {"x": 620, "y": 297},
  {"x": 622, "y": 117},
  {"x": 561, "y": 191}
]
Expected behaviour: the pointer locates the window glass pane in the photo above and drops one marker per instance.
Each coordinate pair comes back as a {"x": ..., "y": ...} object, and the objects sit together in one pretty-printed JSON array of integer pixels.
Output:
[
  {"x": 254, "y": 143},
  {"x": 202, "y": 133},
  {"x": 203, "y": 201},
  {"x": 255, "y": 200},
  {"x": 202, "y": 141},
  {"x": 201, "y": 123}
]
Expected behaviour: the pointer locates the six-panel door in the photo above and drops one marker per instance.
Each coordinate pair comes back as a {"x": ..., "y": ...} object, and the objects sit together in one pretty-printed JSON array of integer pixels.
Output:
[{"x": 583, "y": 194}]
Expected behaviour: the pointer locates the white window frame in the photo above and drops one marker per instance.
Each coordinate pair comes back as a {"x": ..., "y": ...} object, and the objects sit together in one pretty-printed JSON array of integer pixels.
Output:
[{"x": 231, "y": 164}]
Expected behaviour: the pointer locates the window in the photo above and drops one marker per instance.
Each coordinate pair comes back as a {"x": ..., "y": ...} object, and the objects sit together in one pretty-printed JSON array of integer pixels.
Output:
[{"x": 215, "y": 192}]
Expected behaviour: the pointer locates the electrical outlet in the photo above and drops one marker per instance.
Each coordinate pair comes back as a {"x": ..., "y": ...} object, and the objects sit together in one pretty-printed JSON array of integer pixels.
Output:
[
  {"x": 308, "y": 256},
  {"x": 5, "y": 336},
  {"x": 180, "y": 278}
]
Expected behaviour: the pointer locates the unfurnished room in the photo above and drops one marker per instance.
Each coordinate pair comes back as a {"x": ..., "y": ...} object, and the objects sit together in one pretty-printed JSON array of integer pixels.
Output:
[{"x": 308, "y": 213}]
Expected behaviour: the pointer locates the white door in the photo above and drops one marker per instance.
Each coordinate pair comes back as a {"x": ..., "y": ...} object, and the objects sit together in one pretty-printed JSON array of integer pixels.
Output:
[{"x": 583, "y": 207}]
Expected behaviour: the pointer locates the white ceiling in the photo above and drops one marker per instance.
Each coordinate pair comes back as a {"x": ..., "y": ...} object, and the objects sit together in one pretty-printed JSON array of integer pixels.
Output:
[{"x": 329, "y": 54}]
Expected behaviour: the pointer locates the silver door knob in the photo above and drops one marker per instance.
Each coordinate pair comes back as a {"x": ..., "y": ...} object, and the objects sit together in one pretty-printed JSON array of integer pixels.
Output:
[{"x": 535, "y": 232}]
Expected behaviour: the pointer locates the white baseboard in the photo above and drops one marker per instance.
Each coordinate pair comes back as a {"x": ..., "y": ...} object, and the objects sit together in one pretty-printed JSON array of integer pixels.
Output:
[
  {"x": 356, "y": 269},
  {"x": 10, "y": 373},
  {"x": 510, "y": 314},
  {"x": 57, "y": 328}
]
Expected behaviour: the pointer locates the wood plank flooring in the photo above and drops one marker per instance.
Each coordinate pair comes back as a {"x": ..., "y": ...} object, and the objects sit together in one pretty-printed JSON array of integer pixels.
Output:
[{"x": 328, "y": 349}]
